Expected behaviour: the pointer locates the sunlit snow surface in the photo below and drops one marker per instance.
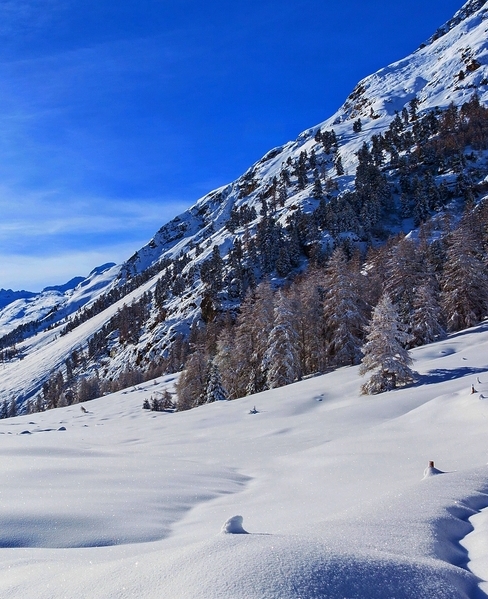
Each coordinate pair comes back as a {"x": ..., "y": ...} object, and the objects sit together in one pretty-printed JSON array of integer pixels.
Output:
[{"x": 123, "y": 502}]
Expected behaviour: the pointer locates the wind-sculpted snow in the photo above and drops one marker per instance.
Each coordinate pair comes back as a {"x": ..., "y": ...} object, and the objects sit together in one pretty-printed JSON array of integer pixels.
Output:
[
  {"x": 116, "y": 501},
  {"x": 477, "y": 547},
  {"x": 275, "y": 567}
]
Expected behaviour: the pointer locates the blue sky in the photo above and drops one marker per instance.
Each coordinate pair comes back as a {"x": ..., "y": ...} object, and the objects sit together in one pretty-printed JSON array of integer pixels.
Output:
[{"x": 116, "y": 116}]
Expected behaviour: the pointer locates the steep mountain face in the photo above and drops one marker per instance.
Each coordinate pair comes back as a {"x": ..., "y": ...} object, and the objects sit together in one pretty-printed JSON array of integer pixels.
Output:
[
  {"x": 468, "y": 9},
  {"x": 288, "y": 209}
]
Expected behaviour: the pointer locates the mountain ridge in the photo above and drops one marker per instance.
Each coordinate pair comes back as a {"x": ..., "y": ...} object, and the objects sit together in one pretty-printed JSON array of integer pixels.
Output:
[{"x": 463, "y": 13}]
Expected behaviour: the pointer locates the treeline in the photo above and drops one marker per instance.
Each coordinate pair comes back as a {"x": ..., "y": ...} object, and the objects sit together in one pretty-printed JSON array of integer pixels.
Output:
[
  {"x": 79, "y": 381},
  {"x": 412, "y": 170},
  {"x": 23, "y": 331},
  {"x": 320, "y": 321},
  {"x": 418, "y": 165}
]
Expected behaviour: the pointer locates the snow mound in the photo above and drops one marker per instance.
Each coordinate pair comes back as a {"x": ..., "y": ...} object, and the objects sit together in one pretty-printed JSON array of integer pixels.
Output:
[
  {"x": 234, "y": 526},
  {"x": 275, "y": 567},
  {"x": 431, "y": 470}
]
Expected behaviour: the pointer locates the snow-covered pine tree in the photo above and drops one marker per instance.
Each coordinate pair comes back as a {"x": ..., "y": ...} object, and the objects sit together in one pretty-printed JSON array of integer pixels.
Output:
[
  {"x": 384, "y": 351},
  {"x": 317, "y": 190},
  {"x": 281, "y": 358},
  {"x": 214, "y": 390},
  {"x": 338, "y": 165}
]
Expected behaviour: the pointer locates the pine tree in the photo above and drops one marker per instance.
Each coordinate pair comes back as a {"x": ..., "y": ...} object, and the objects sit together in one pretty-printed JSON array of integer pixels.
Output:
[
  {"x": 344, "y": 312},
  {"x": 301, "y": 170},
  {"x": 282, "y": 194},
  {"x": 384, "y": 352},
  {"x": 191, "y": 384},
  {"x": 412, "y": 107},
  {"x": 338, "y": 165},
  {"x": 464, "y": 282},
  {"x": 281, "y": 357},
  {"x": 373, "y": 193},
  {"x": 214, "y": 390},
  {"x": 317, "y": 191},
  {"x": 211, "y": 271}
]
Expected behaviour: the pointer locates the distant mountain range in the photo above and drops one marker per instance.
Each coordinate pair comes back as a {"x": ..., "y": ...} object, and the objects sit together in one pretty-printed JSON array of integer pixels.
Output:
[{"x": 288, "y": 209}]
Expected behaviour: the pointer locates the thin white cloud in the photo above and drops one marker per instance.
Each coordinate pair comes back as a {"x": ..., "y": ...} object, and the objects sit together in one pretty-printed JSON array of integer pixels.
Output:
[
  {"x": 33, "y": 272},
  {"x": 45, "y": 241},
  {"x": 27, "y": 15},
  {"x": 51, "y": 213}
]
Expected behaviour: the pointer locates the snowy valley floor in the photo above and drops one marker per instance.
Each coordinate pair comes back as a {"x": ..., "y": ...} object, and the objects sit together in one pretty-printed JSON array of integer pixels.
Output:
[{"x": 122, "y": 502}]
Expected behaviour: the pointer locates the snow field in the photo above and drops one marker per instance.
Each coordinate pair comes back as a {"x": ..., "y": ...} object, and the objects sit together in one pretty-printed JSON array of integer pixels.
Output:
[{"x": 123, "y": 502}]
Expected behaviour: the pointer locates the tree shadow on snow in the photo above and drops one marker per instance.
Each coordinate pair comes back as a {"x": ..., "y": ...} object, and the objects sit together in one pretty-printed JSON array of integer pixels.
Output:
[{"x": 439, "y": 375}]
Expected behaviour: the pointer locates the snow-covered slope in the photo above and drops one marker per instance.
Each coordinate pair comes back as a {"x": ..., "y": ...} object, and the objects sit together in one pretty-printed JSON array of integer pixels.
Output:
[
  {"x": 56, "y": 301},
  {"x": 7, "y": 296},
  {"x": 431, "y": 74},
  {"x": 123, "y": 502},
  {"x": 448, "y": 68}
]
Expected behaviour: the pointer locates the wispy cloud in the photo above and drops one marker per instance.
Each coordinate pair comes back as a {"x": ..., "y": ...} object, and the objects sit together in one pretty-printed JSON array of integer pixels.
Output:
[
  {"x": 39, "y": 215},
  {"x": 20, "y": 16},
  {"x": 36, "y": 272},
  {"x": 86, "y": 164},
  {"x": 44, "y": 241}
]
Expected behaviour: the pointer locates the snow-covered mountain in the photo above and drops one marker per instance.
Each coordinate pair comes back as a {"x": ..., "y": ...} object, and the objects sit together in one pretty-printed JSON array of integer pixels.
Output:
[
  {"x": 54, "y": 302},
  {"x": 120, "y": 502},
  {"x": 177, "y": 267}
]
